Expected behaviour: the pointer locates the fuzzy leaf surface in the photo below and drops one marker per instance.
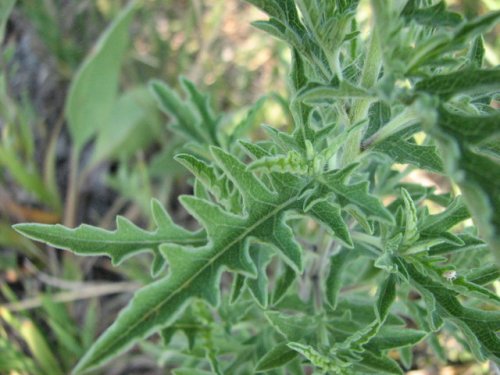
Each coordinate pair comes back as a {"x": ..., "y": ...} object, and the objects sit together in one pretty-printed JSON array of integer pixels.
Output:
[
  {"x": 459, "y": 138},
  {"x": 125, "y": 241},
  {"x": 478, "y": 326},
  {"x": 195, "y": 272},
  {"x": 356, "y": 193},
  {"x": 470, "y": 81}
]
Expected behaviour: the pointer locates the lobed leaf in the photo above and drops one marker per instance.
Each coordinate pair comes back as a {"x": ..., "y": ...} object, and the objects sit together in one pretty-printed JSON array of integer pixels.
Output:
[
  {"x": 330, "y": 214},
  {"x": 120, "y": 244},
  {"x": 356, "y": 193},
  {"x": 194, "y": 118},
  {"x": 435, "y": 15},
  {"x": 467, "y": 81},
  {"x": 261, "y": 256},
  {"x": 478, "y": 326},
  {"x": 211, "y": 179},
  {"x": 407, "y": 152},
  {"x": 476, "y": 173},
  {"x": 195, "y": 272}
]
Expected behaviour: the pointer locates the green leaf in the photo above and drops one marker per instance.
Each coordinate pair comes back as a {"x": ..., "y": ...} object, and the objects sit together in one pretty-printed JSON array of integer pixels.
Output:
[
  {"x": 435, "y": 15},
  {"x": 316, "y": 358},
  {"x": 189, "y": 324},
  {"x": 476, "y": 53},
  {"x": 389, "y": 337},
  {"x": 476, "y": 26},
  {"x": 334, "y": 280},
  {"x": 470, "y": 243},
  {"x": 357, "y": 340},
  {"x": 467, "y": 81},
  {"x": 406, "y": 357},
  {"x": 201, "y": 102},
  {"x": 170, "y": 103},
  {"x": 292, "y": 162},
  {"x": 472, "y": 129},
  {"x": 283, "y": 283},
  {"x": 127, "y": 240},
  {"x": 356, "y": 193},
  {"x": 92, "y": 92},
  {"x": 272, "y": 7},
  {"x": 484, "y": 275},
  {"x": 250, "y": 120},
  {"x": 361, "y": 311},
  {"x": 465, "y": 287},
  {"x": 330, "y": 214},
  {"x": 325, "y": 95},
  {"x": 133, "y": 124},
  {"x": 194, "y": 117},
  {"x": 381, "y": 364},
  {"x": 258, "y": 287},
  {"x": 478, "y": 326},
  {"x": 292, "y": 327},
  {"x": 214, "y": 181},
  {"x": 440, "y": 44},
  {"x": 283, "y": 139},
  {"x": 475, "y": 173},
  {"x": 379, "y": 114},
  {"x": 411, "y": 232},
  {"x": 300, "y": 111},
  {"x": 278, "y": 356},
  {"x": 386, "y": 296},
  {"x": 407, "y": 152},
  {"x": 298, "y": 75},
  {"x": 272, "y": 27},
  {"x": 195, "y": 272},
  {"x": 455, "y": 213}
]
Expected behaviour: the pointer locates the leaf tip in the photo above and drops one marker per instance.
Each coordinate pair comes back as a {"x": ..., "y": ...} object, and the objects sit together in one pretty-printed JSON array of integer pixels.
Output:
[{"x": 29, "y": 230}]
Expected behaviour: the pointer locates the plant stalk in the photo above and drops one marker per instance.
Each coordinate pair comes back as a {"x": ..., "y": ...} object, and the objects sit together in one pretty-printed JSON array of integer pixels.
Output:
[{"x": 359, "y": 112}]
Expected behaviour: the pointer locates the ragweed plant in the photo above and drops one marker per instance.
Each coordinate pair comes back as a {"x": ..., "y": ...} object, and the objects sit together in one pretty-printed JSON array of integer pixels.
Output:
[{"x": 336, "y": 260}]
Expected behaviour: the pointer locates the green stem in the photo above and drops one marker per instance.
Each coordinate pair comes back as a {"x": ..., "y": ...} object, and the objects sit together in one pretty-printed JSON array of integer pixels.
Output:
[{"x": 360, "y": 107}]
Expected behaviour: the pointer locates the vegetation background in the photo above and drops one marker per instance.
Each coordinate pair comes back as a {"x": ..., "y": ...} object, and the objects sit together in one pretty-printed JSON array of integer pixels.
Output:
[{"x": 54, "y": 305}]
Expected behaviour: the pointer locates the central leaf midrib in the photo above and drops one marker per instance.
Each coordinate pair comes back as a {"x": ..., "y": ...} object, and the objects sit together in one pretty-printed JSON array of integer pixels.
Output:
[
  {"x": 195, "y": 275},
  {"x": 161, "y": 240}
]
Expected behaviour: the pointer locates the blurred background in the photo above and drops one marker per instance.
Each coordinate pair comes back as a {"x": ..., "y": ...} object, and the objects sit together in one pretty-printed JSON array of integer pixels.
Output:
[{"x": 52, "y": 304}]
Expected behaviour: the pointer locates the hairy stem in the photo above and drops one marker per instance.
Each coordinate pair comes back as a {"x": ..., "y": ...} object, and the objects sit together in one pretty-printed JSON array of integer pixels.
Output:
[{"x": 360, "y": 107}]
